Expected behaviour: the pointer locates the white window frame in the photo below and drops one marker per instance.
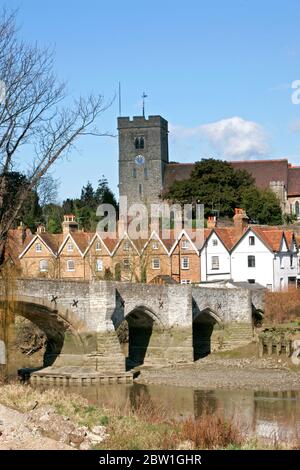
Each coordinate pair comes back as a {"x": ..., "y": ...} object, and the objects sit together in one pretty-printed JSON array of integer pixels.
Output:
[
  {"x": 155, "y": 263},
  {"x": 46, "y": 266},
  {"x": 214, "y": 242},
  {"x": 154, "y": 245},
  {"x": 185, "y": 281},
  {"x": 185, "y": 263},
  {"x": 38, "y": 247},
  {"x": 185, "y": 244},
  {"x": 70, "y": 247},
  {"x": 70, "y": 270},
  {"x": 98, "y": 246},
  {"x": 215, "y": 263},
  {"x": 99, "y": 265}
]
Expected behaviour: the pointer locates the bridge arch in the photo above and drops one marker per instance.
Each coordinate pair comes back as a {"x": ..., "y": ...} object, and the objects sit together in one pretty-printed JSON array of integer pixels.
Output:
[
  {"x": 204, "y": 322},
  {"x": 144, "y": 327},
  {"x": 55, "y": 321}
]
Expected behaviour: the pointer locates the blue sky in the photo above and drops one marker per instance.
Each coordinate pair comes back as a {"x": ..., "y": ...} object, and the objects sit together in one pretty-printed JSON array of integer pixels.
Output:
[{"x": 219, "y": 71}]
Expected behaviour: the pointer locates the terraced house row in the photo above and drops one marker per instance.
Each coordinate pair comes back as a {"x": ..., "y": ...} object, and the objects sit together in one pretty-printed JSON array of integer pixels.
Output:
[{"x": 241, "y": 253}]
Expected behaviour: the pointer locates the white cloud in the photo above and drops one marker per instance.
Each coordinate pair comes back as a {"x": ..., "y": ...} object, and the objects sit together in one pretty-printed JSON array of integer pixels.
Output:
[{"x": 232, "y": 138}]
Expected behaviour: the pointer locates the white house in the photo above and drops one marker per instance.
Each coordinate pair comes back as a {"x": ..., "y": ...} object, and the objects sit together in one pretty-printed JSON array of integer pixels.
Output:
[
  {"x": 215, "y": 254},
  {"x": 265, "y": 255}
]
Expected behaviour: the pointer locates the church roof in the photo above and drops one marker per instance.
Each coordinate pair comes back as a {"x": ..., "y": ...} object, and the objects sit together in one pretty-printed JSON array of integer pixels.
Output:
[
  {"x": 263, "y": 171},
  {"x": 294, "y": 181}
]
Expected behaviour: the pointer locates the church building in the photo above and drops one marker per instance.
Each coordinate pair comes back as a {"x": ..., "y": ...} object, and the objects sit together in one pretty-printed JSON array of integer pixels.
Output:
[{"x": 145, "y": 171}]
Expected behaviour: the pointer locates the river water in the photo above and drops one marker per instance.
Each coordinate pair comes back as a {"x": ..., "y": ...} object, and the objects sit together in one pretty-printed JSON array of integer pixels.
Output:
[{"x": 270, "y": 415}]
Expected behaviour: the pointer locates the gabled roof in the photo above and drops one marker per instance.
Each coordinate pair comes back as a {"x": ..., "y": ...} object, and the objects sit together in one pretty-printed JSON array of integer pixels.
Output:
[
  {"x": 49, "y": 240},
  {"x": 95, "y": 236},
  {"x": 191, "y": 237},
  {"x": 271, "y": 236},
  {"x": 229, "y": 236},
  {"x": 154, "y": 236}
]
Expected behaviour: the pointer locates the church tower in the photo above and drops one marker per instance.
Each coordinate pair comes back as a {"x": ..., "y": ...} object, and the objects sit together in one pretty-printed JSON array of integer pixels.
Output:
[{"x": 143, "y": 155}]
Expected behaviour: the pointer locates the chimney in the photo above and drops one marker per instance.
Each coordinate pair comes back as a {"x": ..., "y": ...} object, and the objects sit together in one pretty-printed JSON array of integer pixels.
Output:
[
  {"x": 69, "y": 224},
  {"x": 211, "y": 221},
  {"x": 240, "y": 219},
  {"x": 22, "y": 229},
  {"x": 41, "y": 229}
]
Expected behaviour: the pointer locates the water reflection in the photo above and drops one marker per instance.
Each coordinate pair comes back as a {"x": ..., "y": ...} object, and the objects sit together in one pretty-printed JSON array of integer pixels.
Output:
[{"x": 259, "y": 413}]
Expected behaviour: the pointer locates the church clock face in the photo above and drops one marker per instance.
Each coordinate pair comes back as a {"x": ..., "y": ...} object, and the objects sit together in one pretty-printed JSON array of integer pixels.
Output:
[{"x": 139, "y": 160}]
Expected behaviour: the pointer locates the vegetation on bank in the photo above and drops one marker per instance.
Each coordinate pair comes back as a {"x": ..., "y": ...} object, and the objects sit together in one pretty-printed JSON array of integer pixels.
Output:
[
  {"x": 282, "y": 307},
  {"x": 144, "y": 426}
]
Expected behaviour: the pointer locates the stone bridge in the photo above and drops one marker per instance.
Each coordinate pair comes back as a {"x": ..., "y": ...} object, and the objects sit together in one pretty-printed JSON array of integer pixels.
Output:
[{"x": 105, "y": 325}]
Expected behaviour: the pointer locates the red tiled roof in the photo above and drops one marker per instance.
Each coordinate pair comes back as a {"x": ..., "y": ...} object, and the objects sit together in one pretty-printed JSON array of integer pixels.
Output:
[
  {"x": 52, "y": 240},
  {"x": 229, "y": 235},
  {"x": 271, "y": 236},
  {"x": 177, "y": 172}
]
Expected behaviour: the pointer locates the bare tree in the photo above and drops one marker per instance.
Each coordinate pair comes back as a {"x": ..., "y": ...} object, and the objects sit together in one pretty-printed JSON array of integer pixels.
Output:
[{"x": 33, "y": 117}]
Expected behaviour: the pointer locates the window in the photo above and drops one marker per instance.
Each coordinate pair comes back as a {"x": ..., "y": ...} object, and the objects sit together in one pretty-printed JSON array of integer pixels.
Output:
[
  {"x": 155, "y": 246},
  {"x": 99, "y": 265},
  {"x": 140, "y": 189},
  {"x": 185, "y": 245},
  {"x": 281, "y": 262},
  {"x": 38, "y": 247},
  {"x": 139, "y": 142},
  {"x": 70, "y": 265},
  {"x": 185, "y": 263},
  {"x": 215, "y": 262},
  {"x": 126, "y": 246},
  {"x": 70, "y": 247},
  {"x": 126, "y": 263},
  {"x": 98, "y": 246},
  {"x": 251, "y": 281},
  {"x": 291, "y": 261},
  {"x": 251, "y": 241},
  {"x": 251, "y": 261},
  {"x": 146, "y": 173},
  {"x": 156, "y": 263},
  {"x": 215, "y": 242},
  {"x": 134, "y": 172},
  {"x": 43, "y": 266},
  {"x": 185, "y": 281},
  {"x": 297, "y": 208}
]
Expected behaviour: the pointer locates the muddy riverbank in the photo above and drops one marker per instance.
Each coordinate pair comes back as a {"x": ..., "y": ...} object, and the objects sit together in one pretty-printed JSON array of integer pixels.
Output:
[{"x": 224, "y": 371}]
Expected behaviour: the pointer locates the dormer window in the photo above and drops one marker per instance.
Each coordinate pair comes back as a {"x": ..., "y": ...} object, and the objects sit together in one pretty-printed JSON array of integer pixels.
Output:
[
  {"x": 70, "y": 247},
  {"x": 139, "y": 143},
  {"x": 98, "y": 246},
  {"x": 38, "y": 247}
]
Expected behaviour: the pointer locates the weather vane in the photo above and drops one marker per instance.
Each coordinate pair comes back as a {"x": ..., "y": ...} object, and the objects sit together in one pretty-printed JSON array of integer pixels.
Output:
[{"x": 143, "y": 97}]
